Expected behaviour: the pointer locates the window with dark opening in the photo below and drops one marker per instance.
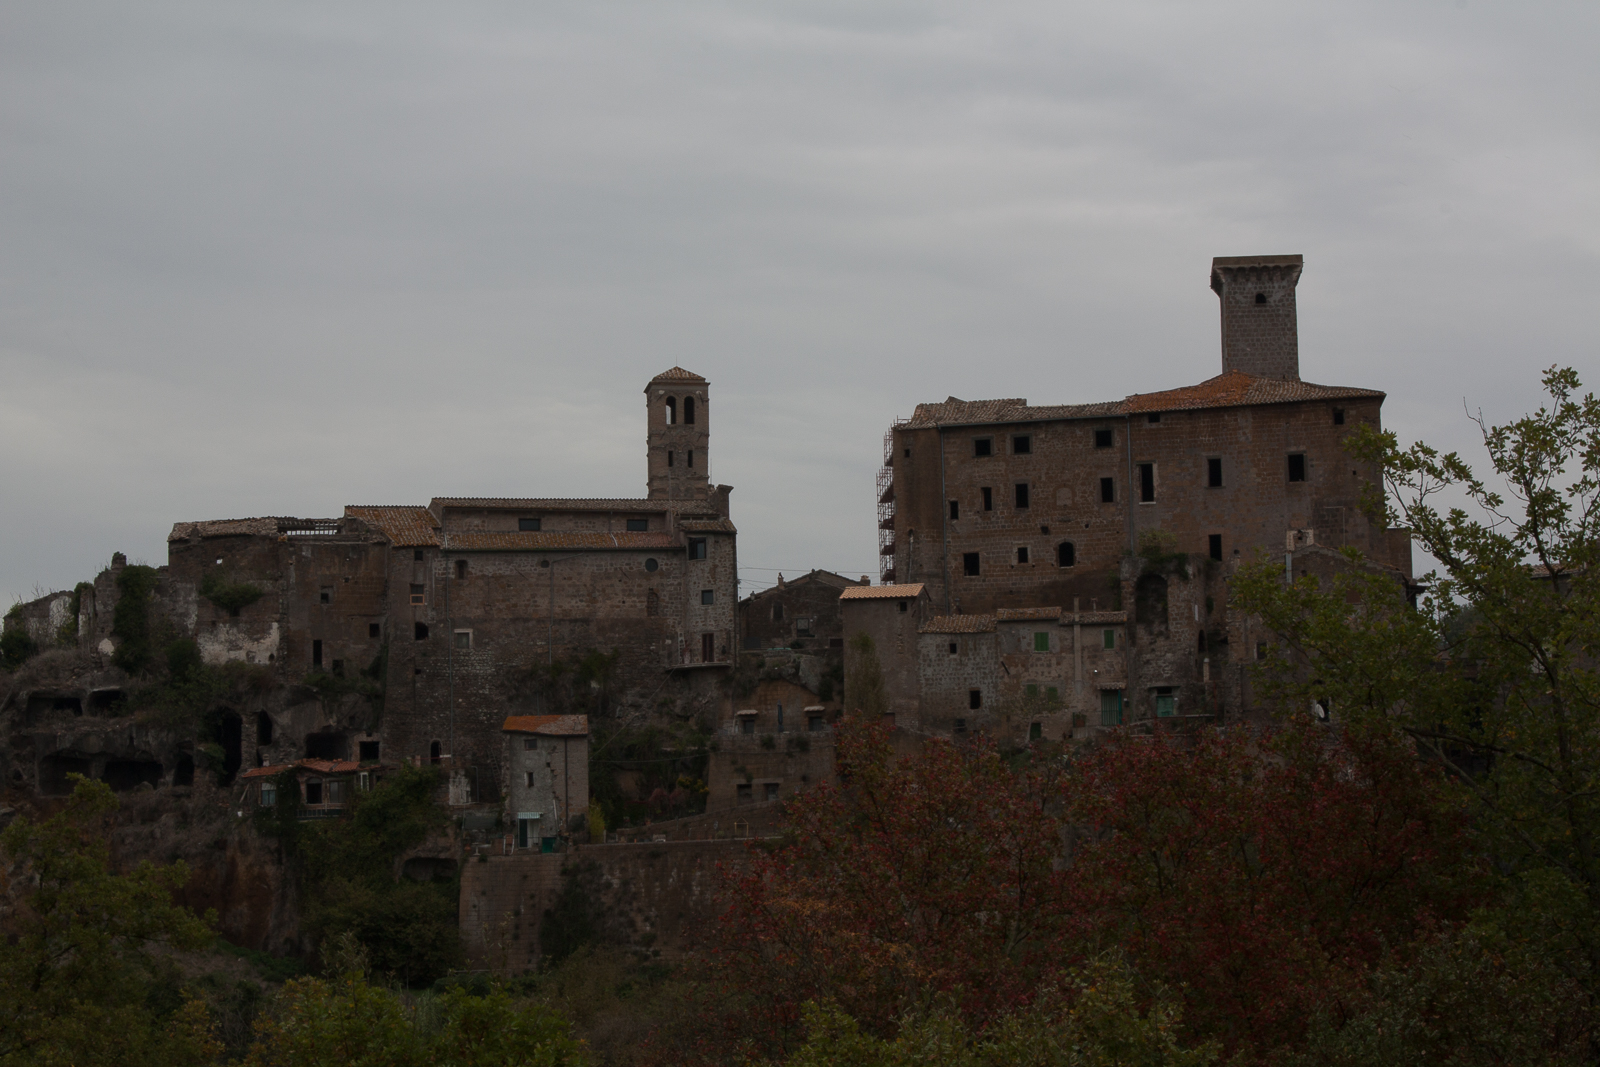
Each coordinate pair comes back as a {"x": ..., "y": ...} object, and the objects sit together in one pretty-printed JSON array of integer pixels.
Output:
[
  {"x": 982, "y": 446},
  {"x": 771, "y": 789},
  {"x": 955, "y": 509},
  {"x": 1338, "y": 416},
  {"x": 954, "y": 648},
  {"x": 1297, "y": 466},
  {"x": 416, "y": 554},
  {"x": 908, "y": 453},
  {"x": 708, "y": 596},
  {"x": 461, "y": 569},
  {"x": 1214, "y": 543},
  {"x": 697, "y": 548},
  {"x": 669, "y": 457},
  {"x": 988, "y": 498},
  {"x": 1022, "y": 553},
  {"x": 638, "y": 525},
  {"x": 435, "y": 750},
  {"x": 689, "y": 459},
  {"x": 974, "y": 699},
  {"x": 1108, "y": 491},
  {"x": 420, "y": 631},
  {"x": 671, "y": 406},
  {"x": 961, "y": 726},
  {"x": 313, "y": 790},
  {"x": 463, "y": 638},
  {"x": 708, "y": 648},
  {"x": 374, "y": 629},
  {"x": 651, "y": 565},
  {"x": 1035, "y": 731},
  {"x": 1110, "y": 707},
  {"x": 1066, "y": 555},
  {"x": 1022, "y": 494},
  {"x": 263, "y": 728},
  {"x": 1147, "y": 482},
  {"x": 367, "y": 751},
  {"x": 338, "y": 668},
  {"x": 1102, "y": 439},
  {"x": 418, "y": 592},
  {"x": 1022, "y": 444},
  {"x": 1214, "y": 472},
  {"x": 1261, "y": 298},
  {"x": 1154, "y": 416},
  {"x": 1108, "y": 639},
  {"x": 316, "y": 653},
  {"x": 777, "y": 613},
  {"x": 688, "y": 411},
  {"x": 969, "y": 564},
  {"x": 742, "y": 794},
  {"x": 325, "y": 595},
  {"x": 902, "y": 605}
]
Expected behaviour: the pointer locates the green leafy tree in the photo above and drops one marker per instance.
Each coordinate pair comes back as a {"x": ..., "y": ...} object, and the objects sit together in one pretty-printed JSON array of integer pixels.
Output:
[
  {"x": 1493, "y": 674},
  {"x": 130, "y": 619},
  {"x": 82, "y": 976}
]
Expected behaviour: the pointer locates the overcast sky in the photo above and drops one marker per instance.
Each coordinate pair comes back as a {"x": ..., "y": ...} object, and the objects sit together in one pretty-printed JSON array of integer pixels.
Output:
[{"x": 275, "y": 258}]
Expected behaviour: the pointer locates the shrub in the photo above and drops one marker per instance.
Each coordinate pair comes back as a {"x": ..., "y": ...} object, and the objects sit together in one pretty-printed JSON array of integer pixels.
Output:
[
  {"x": 130, "y": 620},
  {"x": 227, "y": 595}
]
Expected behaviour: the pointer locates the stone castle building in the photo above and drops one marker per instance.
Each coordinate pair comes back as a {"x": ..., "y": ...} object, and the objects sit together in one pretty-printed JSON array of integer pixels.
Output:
[
  {"x": 414, "y": 632},
  {"x": 1066, "y": 566}
]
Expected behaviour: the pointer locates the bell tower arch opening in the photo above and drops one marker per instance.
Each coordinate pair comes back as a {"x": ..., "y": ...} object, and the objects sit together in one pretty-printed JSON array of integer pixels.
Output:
[{"x": 678, "y": 436}]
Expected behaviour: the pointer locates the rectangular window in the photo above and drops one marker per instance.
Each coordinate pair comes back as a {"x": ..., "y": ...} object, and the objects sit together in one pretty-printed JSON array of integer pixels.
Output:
[
  {"x": 1214, "y": 472},
  {"x": 1041, "y": 641},
  {"x": 969, "y": 564},
  {"x": 527, "y": 779},
  {"x": 461, "y": 570},
  {"x": 374, "y": 629},
  {"x": 669, "y": 457},
  {"x": 1022, "y": 494},
  {"x": 742, "y": 794},
  {"x": 338, "y": 668},
  {"x": 689, "y": 460},
  {"x": 955, "y": 509},
  {"x": 638, "y": 525},
  {"x": 802, "y": 627},
  {"x": 1154, "y": 416},
  {"x": 416, "y": 554},
  {"x": 814, "y": 724},
  {"x": 1297, "y": 466},
  {"x": 1338, "y": 416},
  {"x": 1102, "y": 439},
  {"x": 961, "y": 726},
  {"x": 982, "y": 446},
  {"x": 974, "y": 699},
  {"x": 419, "y": 631},
  {"x": 1214, "y": 544},
  {"x": 1030, "y": 689},
  {"x": 326, "y": 595},
  {"x": 1108, "y": 491},
  {"x": 1022, "y": 553},
  {"x": 708, "y": 596},
  {"x": 336, "y": 792},
  {"x": 1166, "y": 702},
  {"x": 1261, "y": 650},
  {"x": 1035, "y": 731},
  {"x": 1052, "y": 693},
  {"x": 367, "y": 751},
  {"x": 747, "y": 725},
  {"x": 313, "y": 790},
  {"x": 364, "y": 781},
  {"x": 269, "y": 795},
  {"x": 1108, "y": 639},
  {"x": 954, "y": 648},
  {"x": 708, "y": 648},
  {"x": 1110, "y": 707},
  {"x": 316, "y": 653},
  {"x": 528, "y": 525},
  {"x": 902, "y": 606},
  {"x": 1022, "y": 444},
  {"x": 530, "y": 744},
  {"x": 1147, "y": 483},
  {"x": 988, "y": 498},
  {"x": 463, "y": 638},
  {"x": 771, "y": 790},
  {"x": 418, "y": 593},
  {"x": 697, "y": 548}
]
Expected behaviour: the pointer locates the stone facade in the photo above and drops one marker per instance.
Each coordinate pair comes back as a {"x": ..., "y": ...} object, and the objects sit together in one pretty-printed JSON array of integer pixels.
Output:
[
  {"x": 547, "y": 778},
  {"x": 800, "y": 614}
]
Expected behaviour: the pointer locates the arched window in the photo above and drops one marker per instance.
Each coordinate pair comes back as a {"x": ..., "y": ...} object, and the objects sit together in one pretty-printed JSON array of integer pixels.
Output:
[
  {"x": 672, "y": 410},
  {"x": 1066, "y": 555},
  {"x": 688, "y": 411}
]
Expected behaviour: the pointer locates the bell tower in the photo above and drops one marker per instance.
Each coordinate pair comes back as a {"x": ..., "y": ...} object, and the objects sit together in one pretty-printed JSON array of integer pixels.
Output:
[
  {"x": 678, "y": 432},
  {"x": 1260, "y": 335}
]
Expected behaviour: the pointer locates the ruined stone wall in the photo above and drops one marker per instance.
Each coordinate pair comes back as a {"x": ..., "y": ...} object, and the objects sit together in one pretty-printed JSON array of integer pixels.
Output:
[
  {"x": 797, "y": 759},
  {"x": 659, "y": 897}
]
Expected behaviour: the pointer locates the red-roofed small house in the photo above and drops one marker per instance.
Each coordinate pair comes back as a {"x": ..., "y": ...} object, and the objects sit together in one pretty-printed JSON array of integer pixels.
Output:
[{"x": 547, "y": 761}]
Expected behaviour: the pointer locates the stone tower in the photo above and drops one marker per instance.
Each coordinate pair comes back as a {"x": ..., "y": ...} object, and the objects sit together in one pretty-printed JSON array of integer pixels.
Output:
[
  {"x": 1259, "y": 334},
  {"x": 679, "y": 436}
]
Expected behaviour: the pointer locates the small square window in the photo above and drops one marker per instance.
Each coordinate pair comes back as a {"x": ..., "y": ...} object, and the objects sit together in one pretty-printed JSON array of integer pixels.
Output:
[
  {"x": 1214, "y": 472},
  {"x": 463, "y": 638},
  {"x": 1297, "y": 466},
  {"x": 983, "y": 446},
  {"x": 1108, "y": 639},
  {"x": 969, "y": 564},
  {"x": 1108, "y": 491},
  {"x": 418, "y": 593},
  {"x": 1102, "y": 439},
  {"x": 638, "y": 525},
  {"x": 1022, "y": 444},
  {"x": 697, "y": 548},
  {"x": 420, "y": 631},
  {"x": 954, "y": 648},
  {"x": 528, "y": 525},
  {"x": 1154, "y": 416},
  {"x": 416, "y": 554},
  {"x": 814, "y": 724},
  {"x": 1022, "y": 494},
  {"x": 974, "y": 699},
  {"x": 1041, "y": 641},
  {"x": 325, "y": 596},
  {"x": 1022, "y": 553},
  {"x": 1214, "y": 546},
  {"x": 530, "y": 744},
  {"x": 374, "y": 629},
  {"x": 708, "y": 596},
  {"x": 903, "y": 606}
]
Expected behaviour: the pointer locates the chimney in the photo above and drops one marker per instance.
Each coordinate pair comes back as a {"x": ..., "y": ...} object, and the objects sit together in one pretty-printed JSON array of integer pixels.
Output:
[{"x": 1259, "y": 334}]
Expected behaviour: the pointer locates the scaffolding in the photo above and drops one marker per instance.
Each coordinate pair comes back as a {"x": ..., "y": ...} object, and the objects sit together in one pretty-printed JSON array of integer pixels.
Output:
[{"x": 886, "y": 509}]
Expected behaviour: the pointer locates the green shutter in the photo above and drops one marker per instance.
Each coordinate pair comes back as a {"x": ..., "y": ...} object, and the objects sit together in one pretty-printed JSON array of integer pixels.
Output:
[{"x": 1041, "y": 642}]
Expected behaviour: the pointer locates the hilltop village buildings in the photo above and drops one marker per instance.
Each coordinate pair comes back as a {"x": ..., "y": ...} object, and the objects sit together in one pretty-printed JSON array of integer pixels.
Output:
[{"x": 1047, "y": 571}]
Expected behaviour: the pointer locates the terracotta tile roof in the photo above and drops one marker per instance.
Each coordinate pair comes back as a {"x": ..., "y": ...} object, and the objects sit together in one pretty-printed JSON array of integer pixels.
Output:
[
  {"x": 486, "y": 541},
  {"x": 1094, "y": 618},
  {"x": 707, "y": 526},
  {"x": 677, "y": 374},
  {"x": 882, "y": 592},
  {"x": 548, "y": 725},
  {"x": 1233, "y": 389},
  {"x": 265, "y": 772},
  {"x": 406, "y": 526},
  {"x": 1025, "y": 614},
  {"x": 522, "y": 503},
  {"x": 262, "y": 527},
  {"x": 320, "y": 766},
  {"x": 1237, "y": 389},
  {"x": 959, "y": 624},
  {"x": 819, "y": 577}
]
